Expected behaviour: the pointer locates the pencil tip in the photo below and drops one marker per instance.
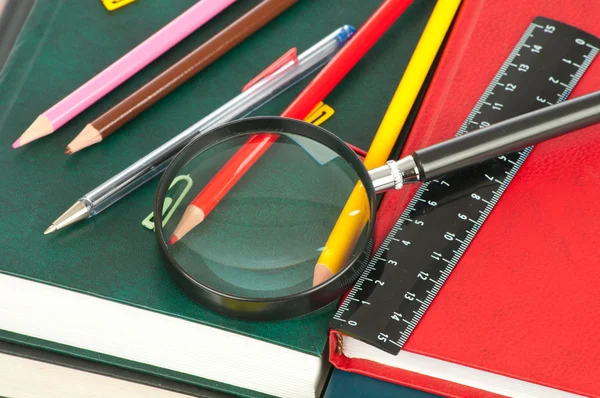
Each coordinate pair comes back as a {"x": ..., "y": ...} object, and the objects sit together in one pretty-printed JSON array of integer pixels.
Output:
[
  {"x": 41, "y": 127},
  {"x": 50, "y": 229},
  {"x": 87, "y": 137},
  {"x": 68, "y": 151},
  {"x": 192, "y": 216},
  {"x": 322, "y": 273},
  {"x": 17, "y": 143}
]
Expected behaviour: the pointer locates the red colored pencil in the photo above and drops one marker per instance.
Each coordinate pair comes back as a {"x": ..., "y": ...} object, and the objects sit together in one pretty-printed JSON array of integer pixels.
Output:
[{"x": 316, "y": 91}]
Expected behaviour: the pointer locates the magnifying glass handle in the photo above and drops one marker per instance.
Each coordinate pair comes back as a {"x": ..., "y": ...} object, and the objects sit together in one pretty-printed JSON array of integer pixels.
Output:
[{"x": 505, "y": 137}]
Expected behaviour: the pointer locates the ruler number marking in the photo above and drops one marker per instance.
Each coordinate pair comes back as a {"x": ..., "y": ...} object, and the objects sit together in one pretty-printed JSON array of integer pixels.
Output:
[{"x": 424, "y": 283}]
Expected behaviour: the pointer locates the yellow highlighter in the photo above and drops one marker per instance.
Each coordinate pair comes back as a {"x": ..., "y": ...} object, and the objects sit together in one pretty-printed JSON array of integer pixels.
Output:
[{"x": 355, "y": 215}]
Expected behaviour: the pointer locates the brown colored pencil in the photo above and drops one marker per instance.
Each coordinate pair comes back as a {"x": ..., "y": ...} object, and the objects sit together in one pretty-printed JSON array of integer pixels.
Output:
[{"x": 179, "y": 73}]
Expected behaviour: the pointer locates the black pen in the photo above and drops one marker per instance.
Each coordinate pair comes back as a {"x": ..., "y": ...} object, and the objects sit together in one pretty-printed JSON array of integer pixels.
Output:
[{"x": 499, "y": 139}]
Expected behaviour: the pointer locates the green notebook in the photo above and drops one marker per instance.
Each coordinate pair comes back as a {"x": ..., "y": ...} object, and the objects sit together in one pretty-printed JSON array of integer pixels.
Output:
[{"x": 99, "y": 290}]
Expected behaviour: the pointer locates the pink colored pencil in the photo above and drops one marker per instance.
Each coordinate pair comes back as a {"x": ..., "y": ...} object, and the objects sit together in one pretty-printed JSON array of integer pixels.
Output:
[{"x": 127, "y": 66}]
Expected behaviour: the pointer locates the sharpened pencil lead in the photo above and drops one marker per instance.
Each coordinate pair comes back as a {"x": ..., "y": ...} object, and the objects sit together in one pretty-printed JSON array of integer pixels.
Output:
[
  {"x": 41, "y": 127},
  {"x": 321, "y": 274},
  {"x": 88, "y": 136},
  {"x": 192, "y": 216}
]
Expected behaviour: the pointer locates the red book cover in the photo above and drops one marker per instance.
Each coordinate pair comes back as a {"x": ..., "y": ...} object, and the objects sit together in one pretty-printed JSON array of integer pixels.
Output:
[{"x": 522, "y": 301}]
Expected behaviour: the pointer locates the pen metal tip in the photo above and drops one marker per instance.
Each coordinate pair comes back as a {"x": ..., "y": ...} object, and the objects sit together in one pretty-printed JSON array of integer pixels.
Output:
[{"x": 50, "y": 229}]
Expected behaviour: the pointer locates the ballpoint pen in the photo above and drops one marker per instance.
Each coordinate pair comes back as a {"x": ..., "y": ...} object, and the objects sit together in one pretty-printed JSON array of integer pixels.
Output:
[
  {"x": 367, "y": 35},
  {"x": 156, "y": 161}
]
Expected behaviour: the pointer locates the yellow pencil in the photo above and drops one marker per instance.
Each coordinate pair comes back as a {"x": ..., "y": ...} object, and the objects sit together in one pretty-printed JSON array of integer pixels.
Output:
[{"x": 355, "y": 214}]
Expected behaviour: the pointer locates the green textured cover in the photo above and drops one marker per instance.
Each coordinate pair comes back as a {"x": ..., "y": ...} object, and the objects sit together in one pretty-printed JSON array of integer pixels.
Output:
[{"x": 63, "y": 44}]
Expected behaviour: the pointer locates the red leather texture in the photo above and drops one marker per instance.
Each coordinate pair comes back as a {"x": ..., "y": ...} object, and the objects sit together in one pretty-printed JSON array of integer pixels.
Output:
[
  {"x": 406, "y": 378},
  {"x": 522, "y": 302}
]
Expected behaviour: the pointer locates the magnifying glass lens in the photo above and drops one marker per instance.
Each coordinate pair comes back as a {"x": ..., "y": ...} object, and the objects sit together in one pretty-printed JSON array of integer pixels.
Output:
[{"x": 264, "y": 236}]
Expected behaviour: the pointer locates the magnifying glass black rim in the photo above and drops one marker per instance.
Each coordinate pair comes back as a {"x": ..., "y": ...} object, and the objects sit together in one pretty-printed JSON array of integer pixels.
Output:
[{"x": 284, "y": 307}]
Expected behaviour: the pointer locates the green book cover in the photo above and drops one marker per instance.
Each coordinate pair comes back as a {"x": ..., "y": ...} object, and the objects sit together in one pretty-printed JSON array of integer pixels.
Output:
[
  {"x": 351, "y": 385},
  {"x": 65, "y": 43}
]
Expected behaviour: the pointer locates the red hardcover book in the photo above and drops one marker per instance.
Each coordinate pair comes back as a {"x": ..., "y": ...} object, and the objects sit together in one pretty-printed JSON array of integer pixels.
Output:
[{"x": 519, "y": 315}]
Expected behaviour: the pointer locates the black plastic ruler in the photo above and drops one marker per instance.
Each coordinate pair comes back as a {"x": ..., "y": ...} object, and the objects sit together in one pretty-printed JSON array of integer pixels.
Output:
[{"x": 408, "y": 270}]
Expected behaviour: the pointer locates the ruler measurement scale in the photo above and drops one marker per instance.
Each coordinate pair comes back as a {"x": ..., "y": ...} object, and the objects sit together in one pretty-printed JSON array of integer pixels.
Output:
[{"x": 443, "y": 217}]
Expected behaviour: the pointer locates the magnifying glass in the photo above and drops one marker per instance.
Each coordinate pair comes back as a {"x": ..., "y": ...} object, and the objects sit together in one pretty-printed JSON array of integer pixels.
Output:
[{"x": 254, "y": 255}]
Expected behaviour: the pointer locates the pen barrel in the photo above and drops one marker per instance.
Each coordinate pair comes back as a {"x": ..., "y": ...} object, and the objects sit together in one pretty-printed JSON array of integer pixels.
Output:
[
  {"x": 96, "y": 204},
  {"x": 508, "y": 136},
  {"x": 152, "y": 164}
]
